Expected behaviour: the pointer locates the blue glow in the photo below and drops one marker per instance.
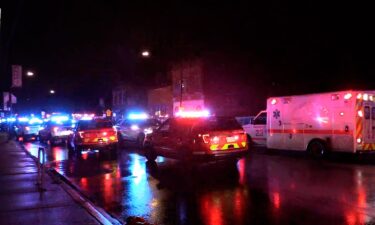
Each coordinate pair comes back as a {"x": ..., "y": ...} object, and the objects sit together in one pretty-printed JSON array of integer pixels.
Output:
[
  {"x": 11, "y": 119},
  {"x": 139, "y": 194},
  {"x": 137, "y": 116},
  {"x": 23, "y": 119},
  {"x": 59, "y": 119},
  {"x": 35, "y": 120}
]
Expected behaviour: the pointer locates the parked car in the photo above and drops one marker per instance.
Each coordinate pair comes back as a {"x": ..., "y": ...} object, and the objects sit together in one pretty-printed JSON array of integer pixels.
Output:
[
  {"x": 98, "y": 134},
  {"x": 135, "y": 131},
  {"x": 198, "y": 140},
  {"x": 56, "y": 132},
  {"x": 27, "y": 128}
]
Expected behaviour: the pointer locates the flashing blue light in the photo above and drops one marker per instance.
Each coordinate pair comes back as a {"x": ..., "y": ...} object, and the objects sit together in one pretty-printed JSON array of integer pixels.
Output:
[
  {"x": 11, "y": 119},
  {"x": 23, "y": 119},
  {"x": 137, "y": 116},
  {"x": 35, "y": 120},
  {"x": 86, "y": 118},
  {"x": 59, "y": 119}
]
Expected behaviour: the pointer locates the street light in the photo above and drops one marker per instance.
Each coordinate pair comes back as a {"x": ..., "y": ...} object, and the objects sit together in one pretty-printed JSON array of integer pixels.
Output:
[
  {"x": 145, "y": 53},
  {"x": 52, "y": 91},
  {"x": 30, "y": 73}
]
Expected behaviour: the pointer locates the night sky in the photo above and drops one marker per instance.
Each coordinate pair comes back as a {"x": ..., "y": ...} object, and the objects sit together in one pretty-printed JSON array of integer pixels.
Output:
[{"x": 83, "y": 48}]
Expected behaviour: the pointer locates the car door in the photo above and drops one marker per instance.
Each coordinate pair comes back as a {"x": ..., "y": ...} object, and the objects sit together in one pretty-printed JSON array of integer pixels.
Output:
[{"x": 161, "y": 139}]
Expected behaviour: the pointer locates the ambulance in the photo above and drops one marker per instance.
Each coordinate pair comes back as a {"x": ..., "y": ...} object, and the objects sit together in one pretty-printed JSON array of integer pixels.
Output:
[{"x": 341, "y": 121}]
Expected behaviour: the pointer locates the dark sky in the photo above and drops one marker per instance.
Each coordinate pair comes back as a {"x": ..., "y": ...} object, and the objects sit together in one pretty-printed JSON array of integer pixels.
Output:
[{"x": 82, "y": 48}]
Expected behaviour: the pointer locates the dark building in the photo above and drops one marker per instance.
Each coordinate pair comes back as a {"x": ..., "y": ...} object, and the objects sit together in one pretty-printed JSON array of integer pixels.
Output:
[
  {"x": 128, "y": 97},
  {"x": 223, "y": 85}
]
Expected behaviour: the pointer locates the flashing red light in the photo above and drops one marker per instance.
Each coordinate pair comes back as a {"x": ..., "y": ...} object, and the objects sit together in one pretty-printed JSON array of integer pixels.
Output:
[
  {"x": 273, "y": 101},
  {"x": 104, "y": 133},
  {"x": 359, "y": 96}
]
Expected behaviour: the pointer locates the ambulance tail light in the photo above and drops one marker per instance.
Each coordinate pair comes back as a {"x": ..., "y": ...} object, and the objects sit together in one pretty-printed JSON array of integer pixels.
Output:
[{"x": 360, "y": 113}]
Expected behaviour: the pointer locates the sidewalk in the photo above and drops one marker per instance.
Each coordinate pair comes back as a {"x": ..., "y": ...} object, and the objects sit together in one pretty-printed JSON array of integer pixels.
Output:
[{"x": 22, "y": 203}]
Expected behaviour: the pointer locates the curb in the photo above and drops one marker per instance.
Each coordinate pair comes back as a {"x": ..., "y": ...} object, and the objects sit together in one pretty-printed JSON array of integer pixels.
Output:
[{"x": 98, "y": 213}]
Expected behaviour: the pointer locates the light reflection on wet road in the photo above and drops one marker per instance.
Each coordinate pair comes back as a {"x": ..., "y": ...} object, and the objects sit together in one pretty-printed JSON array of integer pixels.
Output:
[{"x": 263, "y": 189}]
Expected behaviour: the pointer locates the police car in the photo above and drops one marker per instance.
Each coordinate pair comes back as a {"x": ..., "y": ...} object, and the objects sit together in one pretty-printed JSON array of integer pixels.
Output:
[
  {"x": 198, "y": 139},
  {"x": 93, "y": 134}
]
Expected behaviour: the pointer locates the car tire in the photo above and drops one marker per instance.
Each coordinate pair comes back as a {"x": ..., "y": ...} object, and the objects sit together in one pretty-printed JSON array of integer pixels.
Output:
[
  {"x": 150, "y": 154},
  {"x": 317, "y": 149}
]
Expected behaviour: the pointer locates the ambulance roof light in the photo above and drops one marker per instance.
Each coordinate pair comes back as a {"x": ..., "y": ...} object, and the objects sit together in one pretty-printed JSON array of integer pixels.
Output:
[
  {"x": 347, "y": 96},
  {"x": 359, "y": 96},
  {"x": 273, "y": 101},
  {"x": 365, "y": 97}
]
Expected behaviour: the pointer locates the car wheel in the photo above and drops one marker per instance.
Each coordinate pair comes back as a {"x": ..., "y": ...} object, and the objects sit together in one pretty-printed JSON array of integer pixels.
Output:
[
  {"x": 150, "y": 154},
  {"x": 317, "y": 149}
]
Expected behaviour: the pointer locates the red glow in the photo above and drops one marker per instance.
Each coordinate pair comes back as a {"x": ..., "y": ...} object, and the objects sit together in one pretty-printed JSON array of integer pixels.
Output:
[
  {"x": 239, "y": 206},
  {"x": 241, "y": 171},
  {"x": 85, "y": 155},
  {"x": 211, "y": 210},
  {"x": 276, "y": 200},
  {"x": 273, "y": 101}
]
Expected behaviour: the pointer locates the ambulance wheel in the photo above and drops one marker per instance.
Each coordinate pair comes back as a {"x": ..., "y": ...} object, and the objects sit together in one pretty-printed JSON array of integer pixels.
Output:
[
  {"x": 150, "y": 154},
  {"x": 317, "y": 149}
]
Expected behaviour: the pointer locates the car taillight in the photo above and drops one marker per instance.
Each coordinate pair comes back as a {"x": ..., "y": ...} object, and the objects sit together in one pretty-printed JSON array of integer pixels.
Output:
[
  {"x": 55, "y": 129},
  {"x": 206, "y": 138},
  {"x": 81, "y": 133},
  {"x": 215, "y": 140}
]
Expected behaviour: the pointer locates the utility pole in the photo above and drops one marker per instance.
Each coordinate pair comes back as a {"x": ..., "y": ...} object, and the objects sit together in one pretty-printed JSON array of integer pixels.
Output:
[{"x": 181, "y": 87}]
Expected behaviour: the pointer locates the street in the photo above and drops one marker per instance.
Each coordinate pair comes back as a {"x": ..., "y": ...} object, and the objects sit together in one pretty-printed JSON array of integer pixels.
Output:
[{"x": 265, "y": 188}]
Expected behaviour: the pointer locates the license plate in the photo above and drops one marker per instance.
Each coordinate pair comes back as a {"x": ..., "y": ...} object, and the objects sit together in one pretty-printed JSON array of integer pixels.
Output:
[{"x": 231, "y": 139}]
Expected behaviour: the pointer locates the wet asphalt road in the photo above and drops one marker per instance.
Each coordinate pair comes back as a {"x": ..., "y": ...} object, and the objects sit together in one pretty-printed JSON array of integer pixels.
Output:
[{"x": 265, "y": 188}]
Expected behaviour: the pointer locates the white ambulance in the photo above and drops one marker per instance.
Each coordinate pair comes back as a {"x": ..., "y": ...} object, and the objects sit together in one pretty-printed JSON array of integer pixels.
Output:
[{"x": 337, "y": 121}]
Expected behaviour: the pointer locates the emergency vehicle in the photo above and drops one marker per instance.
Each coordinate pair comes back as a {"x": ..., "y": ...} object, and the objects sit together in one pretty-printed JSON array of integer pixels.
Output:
[
  {"x": 197, "y": 137},
  {"x": 337, "y": 121}
]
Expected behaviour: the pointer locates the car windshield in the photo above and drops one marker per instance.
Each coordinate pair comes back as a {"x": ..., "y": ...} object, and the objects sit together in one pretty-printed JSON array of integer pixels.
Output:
[
  {"x": 94, "y": 124},
  {"x": 217, "y": 123}
]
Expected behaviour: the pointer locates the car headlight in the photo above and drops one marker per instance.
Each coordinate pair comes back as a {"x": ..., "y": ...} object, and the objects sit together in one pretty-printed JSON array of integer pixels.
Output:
[{"x": 148, "y": 130}]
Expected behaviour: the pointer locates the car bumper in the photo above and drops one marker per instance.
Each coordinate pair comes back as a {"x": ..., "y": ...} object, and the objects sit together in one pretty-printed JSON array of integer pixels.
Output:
[
  {"x": 91, "y": 145},
  {"x": 220, "y": 155}
]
